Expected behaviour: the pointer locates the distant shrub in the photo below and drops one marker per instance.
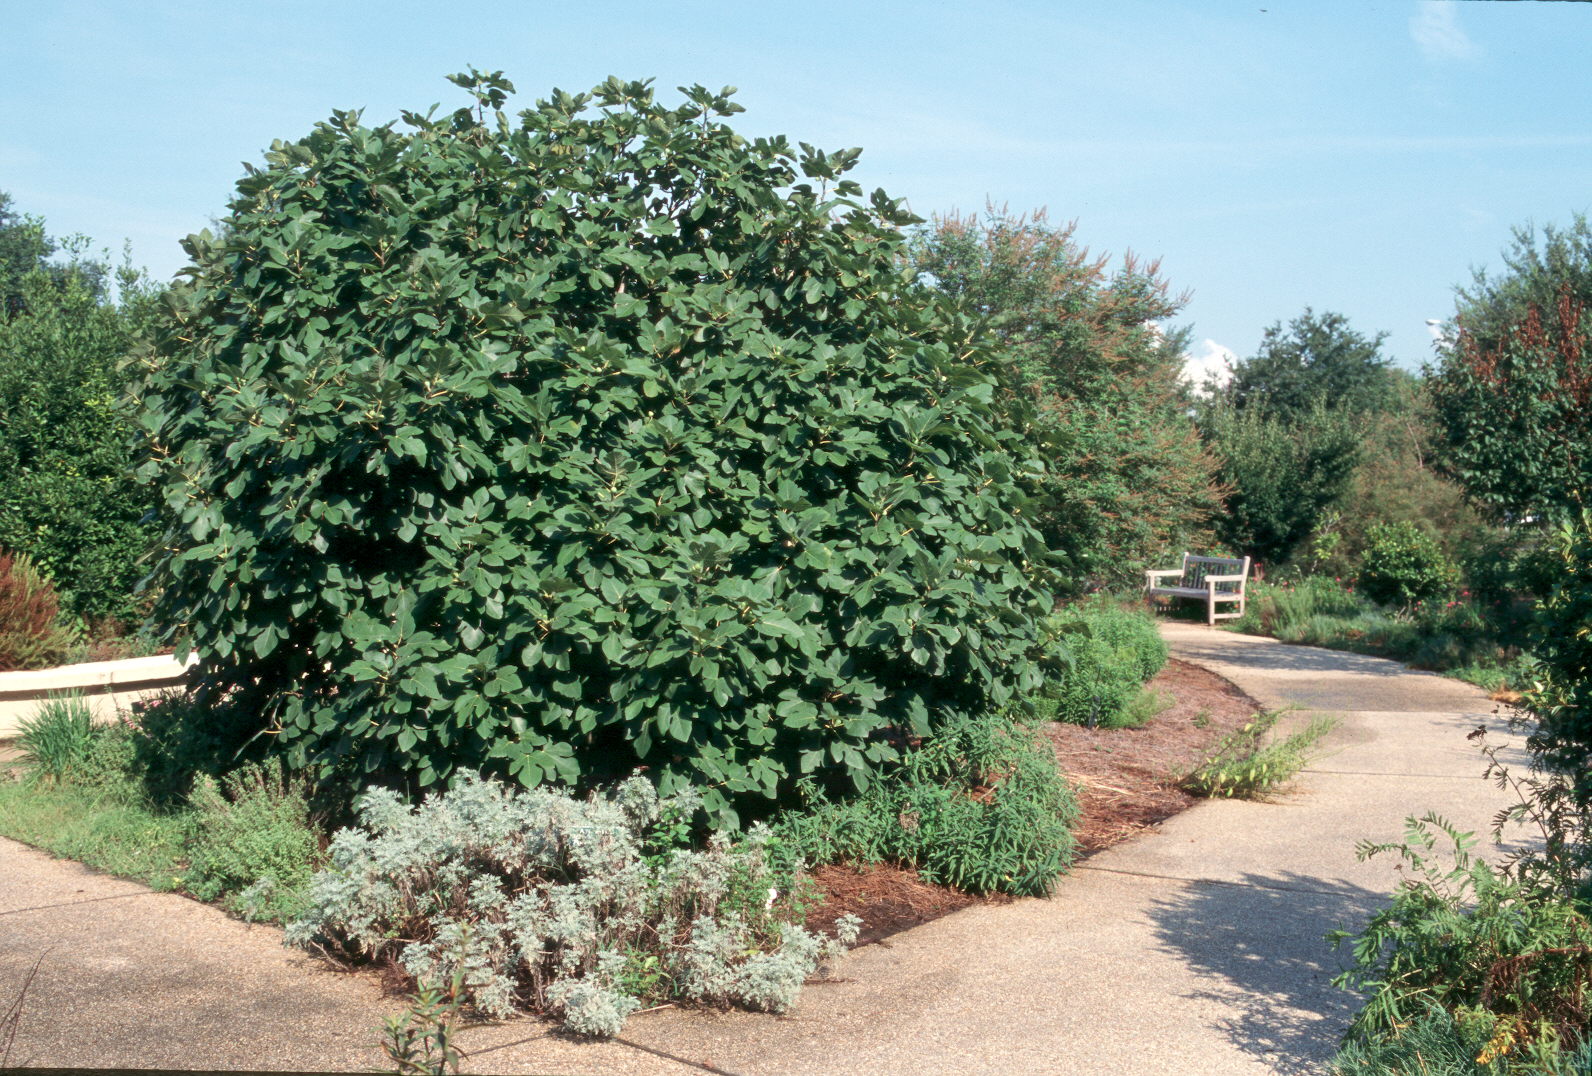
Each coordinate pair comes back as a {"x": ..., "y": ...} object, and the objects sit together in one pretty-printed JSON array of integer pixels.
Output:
[
  {"x": 253, "y": 841},
  {"x": 539, "y": 900},
  {"x": 1403, "y": 565},
  {"x": 57, "y": 742},
  {"x": 1278, "y": 609},
  {"x": 1111, "y": 652},
  {"x": 981, "y": 806},
  {"x": 66, "y": 495},
  {"x": 31, "y": 634},
  {"x": 1520, "y": 563}
]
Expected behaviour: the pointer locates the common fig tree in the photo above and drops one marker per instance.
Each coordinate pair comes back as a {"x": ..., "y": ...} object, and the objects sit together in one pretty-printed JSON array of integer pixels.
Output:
[{"x": 596, "y": 438}]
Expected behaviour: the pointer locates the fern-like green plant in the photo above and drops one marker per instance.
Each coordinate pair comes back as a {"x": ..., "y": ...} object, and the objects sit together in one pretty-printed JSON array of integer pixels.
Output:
[{"x": 1468, "y": 936}]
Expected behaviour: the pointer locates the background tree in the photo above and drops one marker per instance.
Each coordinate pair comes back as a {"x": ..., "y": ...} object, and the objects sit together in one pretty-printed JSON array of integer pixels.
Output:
[
  {"x": 1282, "y": 474},
  {"x": 1513, "y": 386},
  {"x": 24, "y": 249},
  {"x": 1289, "y": 428},
  {"x": 1317, "y": 362},
  {"x": 1398, "y": 481},
  {"x": 67, "y": 498},
  {"x": 1091, "y": 377}
]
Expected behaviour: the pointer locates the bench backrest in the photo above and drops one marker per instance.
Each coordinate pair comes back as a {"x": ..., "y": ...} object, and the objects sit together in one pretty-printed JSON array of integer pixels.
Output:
[{"x": 1195, "y": 569}]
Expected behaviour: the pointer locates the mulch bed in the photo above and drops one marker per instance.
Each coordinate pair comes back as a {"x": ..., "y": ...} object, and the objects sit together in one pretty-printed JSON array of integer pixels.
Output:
[{"x": 1126, "y": 782}]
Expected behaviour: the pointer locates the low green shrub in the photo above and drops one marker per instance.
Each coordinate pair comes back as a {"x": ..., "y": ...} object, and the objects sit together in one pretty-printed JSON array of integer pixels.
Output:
[
  {"x": 537, "y": 900},
  {"x": 981, "y": 806},
  {"x": 57, "y": 741},
  {"x": 1281, "y": 609},
  {"x": 1111, "y": 652},
  {"x": 178, "y": 737},
  {"x": 1246, "y": 764},
  {"x": 1510, "y": 674},
  {"x": 1435, "y": 1042},
  {"x": 1403, "y": 564},
  {"x": 1511, "y": 961},
  {"x": 254, "y": 845},
  {"x": 108, "y": 765}
]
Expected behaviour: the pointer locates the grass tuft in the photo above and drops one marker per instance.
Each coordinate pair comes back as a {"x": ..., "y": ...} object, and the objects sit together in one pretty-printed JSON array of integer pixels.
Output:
[{"x": 1246, "y": 764}]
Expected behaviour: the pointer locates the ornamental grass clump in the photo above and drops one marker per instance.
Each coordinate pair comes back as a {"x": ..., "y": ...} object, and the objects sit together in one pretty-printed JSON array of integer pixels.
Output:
[
  {"x": 982, "y": 806},
  {"x": 583, "y": 909},
  {"x": 598, "y": 437}
]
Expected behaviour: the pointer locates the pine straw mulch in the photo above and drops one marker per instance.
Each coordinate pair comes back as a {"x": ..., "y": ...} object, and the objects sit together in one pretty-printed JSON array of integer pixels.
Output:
[{"x": 1126, "y": 782}]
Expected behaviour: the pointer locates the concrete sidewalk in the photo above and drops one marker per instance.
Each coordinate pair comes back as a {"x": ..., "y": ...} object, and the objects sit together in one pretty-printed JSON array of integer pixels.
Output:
[{"x": 1197, "y": 949}]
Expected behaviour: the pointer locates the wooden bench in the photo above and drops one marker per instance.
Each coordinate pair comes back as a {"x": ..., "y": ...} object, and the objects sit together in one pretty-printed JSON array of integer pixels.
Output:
[{"x": 1216, "y": 579}]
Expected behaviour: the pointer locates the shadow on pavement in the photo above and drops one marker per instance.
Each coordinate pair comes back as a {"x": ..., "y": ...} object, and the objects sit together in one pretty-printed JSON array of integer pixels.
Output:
[
  {"x": 1261, "y": 944},
  {"x": 1287, "y": 657}
]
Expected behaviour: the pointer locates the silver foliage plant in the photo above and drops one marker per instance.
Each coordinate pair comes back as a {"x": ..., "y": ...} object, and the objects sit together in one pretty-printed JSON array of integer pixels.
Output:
[{"x": 537, "y": 900}]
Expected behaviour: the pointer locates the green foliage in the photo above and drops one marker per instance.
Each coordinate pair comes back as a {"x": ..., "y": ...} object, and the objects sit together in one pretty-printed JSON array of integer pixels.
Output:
[
  {"x": 105, "y": 824},
  {"x": 1513, "y": 389},
  {"x": 1143, "y": 708},
  {"x": 1248, "y": 763},
  {"x": 179, "y": 738},
  {"x": 1561, "y": 698},
  {"x": 597, "y": 438},
  {"x": 535, "y": 899},
  {"x": 1512, "y": 568},
  {"x": 248, "y": 841},
  {"x": 1403, "y": 564},
  {"x": 981, "y": 806},
  {"x": 1111, "y": 652},
  {"x": 1434, "y": 1042},
  {"x": 1317, "y": 364},
  {"x": 1397, "y": 481},
  {"x": 57, "y": 742},
  {"x": 253, "y": 843},
  {"x": 419, "y": 1040},
  {"x": 1283, "y": 474},
  {"x": 1475, "y": 642},
  {"x": 1289, "y": 431},
  {"x": 31, "y": 634},
  {"x": 1091, "y": 378},
  {"x": 67, "y": 496},
  {"x": 1512, "y": 960},
  {"x": 24, "y": 248}
]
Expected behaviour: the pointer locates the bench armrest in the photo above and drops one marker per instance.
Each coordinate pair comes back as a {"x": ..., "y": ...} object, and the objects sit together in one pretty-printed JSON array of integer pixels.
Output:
[
  {"x": 1153, "y": 576},
  {"x": 1225, "y": 578}
]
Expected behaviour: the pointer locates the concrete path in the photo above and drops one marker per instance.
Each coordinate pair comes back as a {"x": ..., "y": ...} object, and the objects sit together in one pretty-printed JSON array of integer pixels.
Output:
[{"x": 1198, "y": 949}]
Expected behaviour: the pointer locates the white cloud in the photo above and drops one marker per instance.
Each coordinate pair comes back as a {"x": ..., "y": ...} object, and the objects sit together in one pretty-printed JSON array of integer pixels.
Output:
[
  {"x": 1209, "y": 361},
  {"x": 1437, "y": 33}
]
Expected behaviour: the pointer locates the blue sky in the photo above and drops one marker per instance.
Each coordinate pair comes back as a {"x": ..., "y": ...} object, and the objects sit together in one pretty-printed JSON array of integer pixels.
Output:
[{"x": 1354, "y": 157}]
